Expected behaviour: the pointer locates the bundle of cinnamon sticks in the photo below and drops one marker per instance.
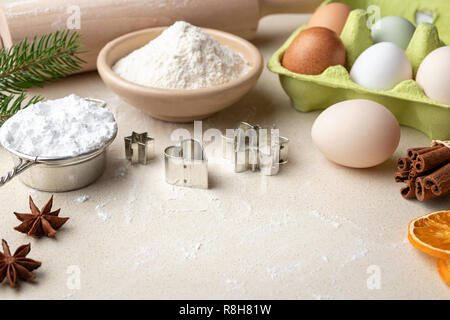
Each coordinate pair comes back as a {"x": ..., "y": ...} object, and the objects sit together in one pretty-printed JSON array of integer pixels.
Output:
[{"x": 426, "y": 172}]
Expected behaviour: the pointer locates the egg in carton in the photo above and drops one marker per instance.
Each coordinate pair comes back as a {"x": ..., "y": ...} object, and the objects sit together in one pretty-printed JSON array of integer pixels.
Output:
[{"x": 406, "y": 100}]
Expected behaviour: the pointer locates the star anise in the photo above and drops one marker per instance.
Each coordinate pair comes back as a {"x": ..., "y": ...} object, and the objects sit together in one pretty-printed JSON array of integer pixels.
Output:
[
  {"x": 17, "y": 266},
  {"x": 40, "y": 222}
]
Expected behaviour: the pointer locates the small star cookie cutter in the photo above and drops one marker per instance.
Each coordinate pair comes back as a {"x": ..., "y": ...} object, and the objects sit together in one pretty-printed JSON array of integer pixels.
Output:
[
  {"x": 186, "y": 165},
  {"x": 255, "y": 148},
  {"x": 139, "y": 148}
]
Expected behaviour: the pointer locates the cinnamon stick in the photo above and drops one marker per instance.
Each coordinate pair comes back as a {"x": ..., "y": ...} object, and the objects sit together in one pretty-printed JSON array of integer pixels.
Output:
[
  {"x": 413, "y": 153},
  {"x": 401, "y": 176},
  {"x": 422, "y": 193},
  {"x": 413, "y": 174},
  {"x": 410, "y": 152},
  {"x": 432, "y": 160},
  {"x": 439, "y": 181},
  {"x": 425, "y": 171},
  {"x": 404, "y": 164},
  {"x": 408, "y": 192}
]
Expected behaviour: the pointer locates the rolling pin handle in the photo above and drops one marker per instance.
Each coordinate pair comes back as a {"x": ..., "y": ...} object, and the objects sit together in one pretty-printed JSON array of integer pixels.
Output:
[
  {"x": 5, "y": 34},
  {"x": 287, "y": 6}
]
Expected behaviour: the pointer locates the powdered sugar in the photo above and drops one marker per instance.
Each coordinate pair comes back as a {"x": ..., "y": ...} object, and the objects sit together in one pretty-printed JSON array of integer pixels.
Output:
[
  {"x": 63, "y": 127},
  {"x": 182, "y": 57}
]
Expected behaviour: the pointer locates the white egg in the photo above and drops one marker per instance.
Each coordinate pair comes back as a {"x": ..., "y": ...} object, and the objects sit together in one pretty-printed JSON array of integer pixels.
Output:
[
  {"x": 381, "y": 67},
  {"x": 434, "y": 75},
  {"x": 393, "y": 29},
  {"x": 356, "y": 133}
]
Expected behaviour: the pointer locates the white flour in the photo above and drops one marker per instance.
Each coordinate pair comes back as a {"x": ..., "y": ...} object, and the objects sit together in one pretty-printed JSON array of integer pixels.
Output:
[
  {"x": 182, "y": 57},
  {"x": 59, "y": 128}
]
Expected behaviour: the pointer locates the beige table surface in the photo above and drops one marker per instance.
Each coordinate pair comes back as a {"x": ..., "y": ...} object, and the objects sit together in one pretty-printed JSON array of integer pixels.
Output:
[{"x": 315, "y": 231}]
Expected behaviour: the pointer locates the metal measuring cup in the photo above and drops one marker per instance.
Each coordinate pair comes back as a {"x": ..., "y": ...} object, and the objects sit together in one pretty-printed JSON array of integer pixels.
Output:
[{"x": 59, "y": 174}]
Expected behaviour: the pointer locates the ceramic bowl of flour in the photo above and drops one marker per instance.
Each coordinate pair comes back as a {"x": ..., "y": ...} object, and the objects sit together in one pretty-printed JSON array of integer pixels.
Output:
[{"x": 178, "y": 105}]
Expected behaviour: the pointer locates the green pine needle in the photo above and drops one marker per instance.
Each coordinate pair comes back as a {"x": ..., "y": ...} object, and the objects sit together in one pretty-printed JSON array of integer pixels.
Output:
[
  {"x": 33, "y": 63},
  {"x": 10, "y": 105}
]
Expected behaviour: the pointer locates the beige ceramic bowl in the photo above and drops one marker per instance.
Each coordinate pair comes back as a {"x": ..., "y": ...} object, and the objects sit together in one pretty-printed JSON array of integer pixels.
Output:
[{"x": 177, "y": 105}]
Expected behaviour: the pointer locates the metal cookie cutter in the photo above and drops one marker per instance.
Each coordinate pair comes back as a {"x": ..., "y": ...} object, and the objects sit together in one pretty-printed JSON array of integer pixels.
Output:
[
  {"x": 139, "y": 148},
  {"x": 255, "y": 148},
  {"x": 186, "y": 165}
]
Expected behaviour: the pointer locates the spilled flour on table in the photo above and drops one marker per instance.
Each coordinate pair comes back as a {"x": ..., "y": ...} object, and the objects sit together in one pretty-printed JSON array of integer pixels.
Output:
[
  {"x": 143, "y": 257},
  {"x": 320, "y": 297},
  {"x": 129, "y": 213},
  {"x": 100, "y": 209},
  {"x": 282, "y": 271},
  {"x": 192, "y": 252},
  {"x": 354, "y": 257},
  {"x": 334, "y": 223},
  {"x": 235, "y": 284},
  {"x": 68, "y": 295},
  {"x": 120, "y": 172},
  {"x": 182, "y": 200},
  {"x": 83, "y": 198}
]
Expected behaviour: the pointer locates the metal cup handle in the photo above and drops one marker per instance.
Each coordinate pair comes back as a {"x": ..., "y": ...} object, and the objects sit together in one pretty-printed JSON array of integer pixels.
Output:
[{"x": 22, "y": 166}]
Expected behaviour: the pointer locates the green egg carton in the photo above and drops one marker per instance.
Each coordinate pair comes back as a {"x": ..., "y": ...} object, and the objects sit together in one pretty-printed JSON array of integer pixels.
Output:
[{"x": 407, "y": 101}]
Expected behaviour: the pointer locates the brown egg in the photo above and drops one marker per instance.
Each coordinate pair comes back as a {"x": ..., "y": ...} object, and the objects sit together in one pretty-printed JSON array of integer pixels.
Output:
[
  {"x": 332, "y": 16},
  {"x": 313, "y": 51}
]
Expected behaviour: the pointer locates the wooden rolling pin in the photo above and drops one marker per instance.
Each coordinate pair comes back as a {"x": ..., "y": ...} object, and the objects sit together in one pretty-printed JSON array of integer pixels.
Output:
[{"x": 100, "y": 21}]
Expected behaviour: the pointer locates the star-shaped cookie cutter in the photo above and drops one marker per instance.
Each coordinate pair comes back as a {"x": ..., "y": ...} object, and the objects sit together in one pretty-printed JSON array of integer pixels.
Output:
[
  {"x": 255, "y": 148},
  {"x": 139, "y": 148},
  {"x": 186, "y": 165}
]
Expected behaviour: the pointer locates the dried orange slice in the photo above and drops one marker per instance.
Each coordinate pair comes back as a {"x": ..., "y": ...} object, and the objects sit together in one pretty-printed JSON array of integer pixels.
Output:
[
  {"x": 444, "y": 270},
  {"x": 431, "y": 234}
]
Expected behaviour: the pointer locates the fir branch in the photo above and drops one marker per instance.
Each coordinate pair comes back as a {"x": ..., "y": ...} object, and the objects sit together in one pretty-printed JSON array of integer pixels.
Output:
[
  {"x": 11, "y": 104},
  {"x": 33, "y": 63},
  {"x": 44, "y": 59}
]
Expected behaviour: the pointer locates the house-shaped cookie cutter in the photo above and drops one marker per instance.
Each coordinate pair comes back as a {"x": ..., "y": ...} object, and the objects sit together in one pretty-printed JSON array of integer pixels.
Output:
[
  {"x": 139, "y": 148},
  {"x": 186, "y": 165},
  {"x": 255, "y": 148}
]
